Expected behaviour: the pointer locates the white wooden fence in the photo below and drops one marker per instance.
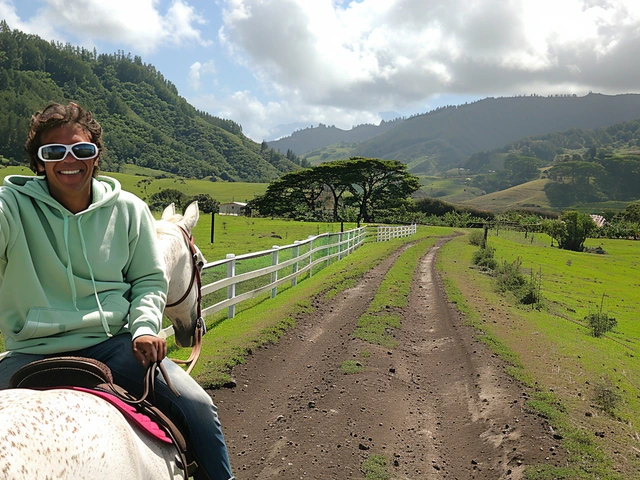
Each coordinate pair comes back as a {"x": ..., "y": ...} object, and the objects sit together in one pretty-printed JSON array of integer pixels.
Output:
[
  {"x": 238, "y": 278},
  {"x": 387, "y": 233}
]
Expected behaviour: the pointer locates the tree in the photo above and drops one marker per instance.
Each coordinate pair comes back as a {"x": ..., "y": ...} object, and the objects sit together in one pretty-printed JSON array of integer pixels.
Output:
[
  {"x": 378, "y": 184},
  {"x": 294, "y": 195},
  {"x": 570, "y": 230},
  {"x": 632, "y": 212},
  {"x": 519, "y": 169},
  {"x": 374, "y": 186},
  {"x": 206, "y": 204},
  {"x": 161, "y": 199}
]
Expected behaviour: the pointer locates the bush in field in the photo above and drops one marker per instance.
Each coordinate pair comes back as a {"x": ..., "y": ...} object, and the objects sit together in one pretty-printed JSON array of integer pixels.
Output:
[
  {"x": 570, "y": 230},
  {"x": 600, "y": 323},
  {"x": 476, "y": 237},
  {"x": 606, "y": 396},
  {"x": 509, "y": 278},
  {"x": 484, "y": 258}
]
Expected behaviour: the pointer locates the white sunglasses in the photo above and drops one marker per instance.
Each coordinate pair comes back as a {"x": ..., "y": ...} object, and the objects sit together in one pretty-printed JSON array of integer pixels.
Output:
[{"x": 54, "y": 152}]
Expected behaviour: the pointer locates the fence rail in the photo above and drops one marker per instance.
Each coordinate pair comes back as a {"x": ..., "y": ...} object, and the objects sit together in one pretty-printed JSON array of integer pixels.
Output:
[
  {"x": 238, "y": 278},
  {"x": 387, "y": 232}
]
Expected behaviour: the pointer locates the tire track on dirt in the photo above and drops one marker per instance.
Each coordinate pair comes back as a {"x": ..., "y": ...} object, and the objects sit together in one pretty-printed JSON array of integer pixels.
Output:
[{"x": 438, "y": 406}]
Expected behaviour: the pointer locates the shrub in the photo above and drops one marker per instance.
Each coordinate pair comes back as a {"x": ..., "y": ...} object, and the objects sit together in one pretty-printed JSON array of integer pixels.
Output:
[
  {"x": 600, "y": 323},
  {"x": 476, "y": 237},
  {"x": 484, "y": 258},
  {"x": 606, "y": 397},
  {"x": 511, "y": 279}
]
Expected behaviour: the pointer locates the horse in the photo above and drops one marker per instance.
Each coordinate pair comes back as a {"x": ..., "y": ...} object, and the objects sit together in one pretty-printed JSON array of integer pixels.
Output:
[{"x": 61, "y": 433}]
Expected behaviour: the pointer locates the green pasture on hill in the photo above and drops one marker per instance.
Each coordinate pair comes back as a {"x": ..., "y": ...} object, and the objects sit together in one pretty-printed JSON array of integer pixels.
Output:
[
  {"x": 450, "y": 189},
  {"x": 144, "y": 182},
  {"x": 553, "y": 349},
  {"x": 530, "y": 194}
]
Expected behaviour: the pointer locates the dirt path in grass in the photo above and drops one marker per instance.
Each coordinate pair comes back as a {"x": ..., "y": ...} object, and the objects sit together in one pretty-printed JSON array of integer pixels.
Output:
[{"x": 437, "y": 406}]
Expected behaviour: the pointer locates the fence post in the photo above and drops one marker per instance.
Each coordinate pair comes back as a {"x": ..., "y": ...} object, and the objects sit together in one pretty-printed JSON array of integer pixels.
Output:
[
  {"x": 274, "y": 275},
  {"x": 296, "y": 254},
  {"x": 231, "y": 289},
  {"x": 310, "y": 254}
]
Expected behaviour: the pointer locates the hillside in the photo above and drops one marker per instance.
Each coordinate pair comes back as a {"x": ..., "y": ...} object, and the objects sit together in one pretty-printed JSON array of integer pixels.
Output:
[
  {"x": 446, "y": 137},
  {"x": 527, "y": 195},
  {"x": 308, "y": 139},
  {"x": 145, "y": 120}
]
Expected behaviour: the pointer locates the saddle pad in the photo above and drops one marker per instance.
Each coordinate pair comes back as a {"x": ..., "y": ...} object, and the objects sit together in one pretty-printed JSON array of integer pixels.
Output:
[{"x": 129, "y": 411}]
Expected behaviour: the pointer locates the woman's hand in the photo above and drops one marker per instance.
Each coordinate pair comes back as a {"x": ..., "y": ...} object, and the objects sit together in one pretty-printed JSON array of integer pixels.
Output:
[{"x": 149, "y": 349}]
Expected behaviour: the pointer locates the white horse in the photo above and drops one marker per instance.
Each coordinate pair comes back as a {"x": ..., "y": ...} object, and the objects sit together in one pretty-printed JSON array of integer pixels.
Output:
[{"x": 59, "y": 434}]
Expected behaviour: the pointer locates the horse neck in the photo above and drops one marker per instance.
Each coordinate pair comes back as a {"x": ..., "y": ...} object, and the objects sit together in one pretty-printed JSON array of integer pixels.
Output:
[{"x": 175, "y": 260}]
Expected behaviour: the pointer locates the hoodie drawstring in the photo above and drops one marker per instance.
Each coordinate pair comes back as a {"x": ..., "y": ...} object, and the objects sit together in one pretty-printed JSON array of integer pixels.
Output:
[
  {"x": 72, "y": 284},
  {"x": 103, "y": 318}
]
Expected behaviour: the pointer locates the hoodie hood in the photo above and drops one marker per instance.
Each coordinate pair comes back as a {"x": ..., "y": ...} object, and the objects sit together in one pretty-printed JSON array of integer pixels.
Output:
[{"x": 104, "y": 190}]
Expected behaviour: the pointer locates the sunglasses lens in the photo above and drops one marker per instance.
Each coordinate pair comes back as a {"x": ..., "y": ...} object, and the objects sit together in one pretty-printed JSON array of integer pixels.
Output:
[
  {"x": 84, "y": 150},
  {"x": 53, "y": 152}
]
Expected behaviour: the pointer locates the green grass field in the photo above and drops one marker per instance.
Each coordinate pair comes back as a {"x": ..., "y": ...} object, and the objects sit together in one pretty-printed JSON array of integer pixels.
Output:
[
  {"x": 553, "y": 351},
  {"x": 450, "y": 189},
  {"x": 136, "y": 181},
  {"x": 530, "y": 194}
]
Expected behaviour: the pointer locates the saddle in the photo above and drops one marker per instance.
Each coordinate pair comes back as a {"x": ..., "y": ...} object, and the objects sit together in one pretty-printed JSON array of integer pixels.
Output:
[{"x": 90, "y": 375}]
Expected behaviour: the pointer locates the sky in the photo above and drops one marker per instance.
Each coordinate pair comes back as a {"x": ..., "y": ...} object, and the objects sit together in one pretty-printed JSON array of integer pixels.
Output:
[{"x": 275, "y": 66}]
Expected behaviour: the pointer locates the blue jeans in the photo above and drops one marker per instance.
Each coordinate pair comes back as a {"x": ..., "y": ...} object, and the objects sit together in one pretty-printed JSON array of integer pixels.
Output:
[{"x": 193, "y": 410}]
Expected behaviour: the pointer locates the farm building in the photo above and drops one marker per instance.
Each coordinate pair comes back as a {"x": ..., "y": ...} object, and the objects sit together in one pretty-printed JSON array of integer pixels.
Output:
[
  {"x": 232, "y": 208},
  {"x": 599, "y": 220}
]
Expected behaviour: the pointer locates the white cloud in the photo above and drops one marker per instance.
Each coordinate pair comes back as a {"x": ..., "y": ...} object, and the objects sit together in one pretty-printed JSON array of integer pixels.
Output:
[
  {"x": 373, "y": 55},
  {"x": 197, "y": 70},
  {"x": 259, "y": 119},
  {"x": 136, "y": 23}
]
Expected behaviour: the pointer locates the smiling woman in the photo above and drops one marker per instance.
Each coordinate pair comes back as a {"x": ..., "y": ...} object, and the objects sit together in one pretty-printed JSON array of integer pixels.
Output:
[
  {"x": 87, "y": 254},
  {"x": 69, "y": 177}
]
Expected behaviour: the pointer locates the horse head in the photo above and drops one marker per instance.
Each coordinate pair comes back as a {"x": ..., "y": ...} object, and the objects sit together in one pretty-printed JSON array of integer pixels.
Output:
[{"x": 183, "y": 261}]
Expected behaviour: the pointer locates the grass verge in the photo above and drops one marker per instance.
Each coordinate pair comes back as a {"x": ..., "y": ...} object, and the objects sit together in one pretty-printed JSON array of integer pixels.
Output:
[
  {"x": 378, "y": 322},
  {"x": 532, "y": 343}
]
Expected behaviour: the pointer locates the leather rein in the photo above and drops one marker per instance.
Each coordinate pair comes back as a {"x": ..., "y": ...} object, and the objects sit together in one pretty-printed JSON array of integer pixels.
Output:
[{"x": 196, "y": 280}]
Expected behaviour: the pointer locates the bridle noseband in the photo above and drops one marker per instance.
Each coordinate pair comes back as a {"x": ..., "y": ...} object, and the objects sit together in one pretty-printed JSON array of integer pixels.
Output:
[{"x": 196, "y": 279}]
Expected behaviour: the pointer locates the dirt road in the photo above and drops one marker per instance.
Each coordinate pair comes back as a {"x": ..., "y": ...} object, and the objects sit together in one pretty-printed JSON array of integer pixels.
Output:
[{"x": 438, "y": 406}]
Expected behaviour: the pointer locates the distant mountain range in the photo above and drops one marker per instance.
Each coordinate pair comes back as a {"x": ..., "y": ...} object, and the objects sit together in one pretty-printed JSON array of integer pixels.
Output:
[
  {"x": 443, "y": 138},
  {"x": 308, "y": 139}
]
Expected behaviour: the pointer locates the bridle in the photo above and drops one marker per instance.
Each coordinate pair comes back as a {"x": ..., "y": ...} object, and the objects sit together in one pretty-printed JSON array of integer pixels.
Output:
[{"x": 196, "y": 279}]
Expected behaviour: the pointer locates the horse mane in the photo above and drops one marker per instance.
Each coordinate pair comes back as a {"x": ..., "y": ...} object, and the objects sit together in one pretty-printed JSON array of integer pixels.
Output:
[{"x": 167, "y": 225}]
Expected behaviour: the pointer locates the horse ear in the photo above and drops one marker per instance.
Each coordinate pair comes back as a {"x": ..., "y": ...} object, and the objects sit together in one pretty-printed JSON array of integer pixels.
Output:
[
  {"x": 168, "y": 212},
  {"x": 191, "y": 215}
]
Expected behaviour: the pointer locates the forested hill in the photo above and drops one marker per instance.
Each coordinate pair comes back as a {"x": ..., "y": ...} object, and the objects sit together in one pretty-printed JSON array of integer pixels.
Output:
[
  {"x": 144, "y": 119},
  {"x": 445, "y": 137},
  {"x": 308, "y": 139}
]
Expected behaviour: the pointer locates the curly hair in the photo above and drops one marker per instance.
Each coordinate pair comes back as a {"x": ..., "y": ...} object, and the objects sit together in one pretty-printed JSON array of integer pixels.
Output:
[{"x": 54, "y": 115}]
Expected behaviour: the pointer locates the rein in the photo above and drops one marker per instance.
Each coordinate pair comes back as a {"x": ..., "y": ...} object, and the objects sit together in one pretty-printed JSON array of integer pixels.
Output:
[{"x": 196, "y": 279}]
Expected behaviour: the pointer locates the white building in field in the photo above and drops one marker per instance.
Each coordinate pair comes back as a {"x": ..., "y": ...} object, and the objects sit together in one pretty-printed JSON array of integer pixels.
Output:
[
  {"x": 599, "y": 220},
  {"x": 232, "y": 208}
]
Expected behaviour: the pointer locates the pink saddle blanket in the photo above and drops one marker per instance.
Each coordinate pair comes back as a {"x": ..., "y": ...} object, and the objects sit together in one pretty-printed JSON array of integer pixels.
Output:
[{"x": 142, "y": 421}]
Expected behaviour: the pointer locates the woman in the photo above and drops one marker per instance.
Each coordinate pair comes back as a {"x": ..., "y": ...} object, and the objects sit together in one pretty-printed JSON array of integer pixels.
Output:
[{"x": 86, "y": 253}]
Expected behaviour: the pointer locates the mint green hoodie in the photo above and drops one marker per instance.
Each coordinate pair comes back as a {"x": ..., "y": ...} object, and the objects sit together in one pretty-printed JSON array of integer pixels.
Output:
[{"x": 69, "y": 281}]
